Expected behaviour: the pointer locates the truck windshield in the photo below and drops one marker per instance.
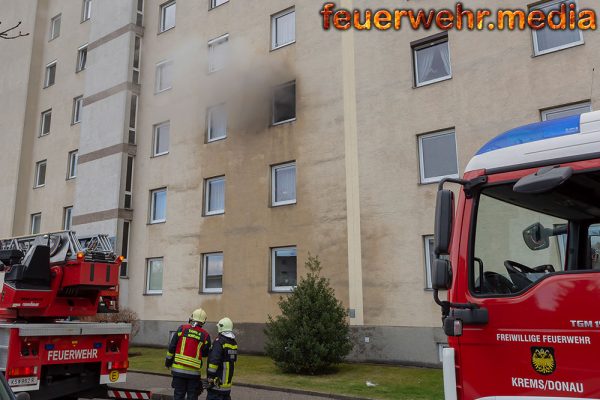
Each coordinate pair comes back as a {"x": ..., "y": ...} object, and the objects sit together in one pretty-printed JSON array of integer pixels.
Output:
[{"x": 520, "y": 238}]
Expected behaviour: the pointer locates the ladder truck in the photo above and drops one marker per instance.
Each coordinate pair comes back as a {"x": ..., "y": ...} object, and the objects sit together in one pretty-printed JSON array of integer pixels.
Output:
[
  {"x": 518, "y": 254},
  {"x": 52, "y": 280}
]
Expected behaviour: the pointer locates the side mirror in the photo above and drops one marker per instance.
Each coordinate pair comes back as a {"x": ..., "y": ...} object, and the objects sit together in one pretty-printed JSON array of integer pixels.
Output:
[
  {"x": 441, "y": 274},
  {"x": 444, "y": 215},
  {"x": 536, "y": 237}
]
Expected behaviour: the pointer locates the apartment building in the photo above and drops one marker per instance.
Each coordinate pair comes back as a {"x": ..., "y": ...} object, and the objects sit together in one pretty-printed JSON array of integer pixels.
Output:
[{"x": 219, "y": 142}]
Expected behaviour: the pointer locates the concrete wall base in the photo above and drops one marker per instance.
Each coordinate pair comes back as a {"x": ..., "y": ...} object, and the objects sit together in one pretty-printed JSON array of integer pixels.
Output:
[{"x": 418, "y": 346}]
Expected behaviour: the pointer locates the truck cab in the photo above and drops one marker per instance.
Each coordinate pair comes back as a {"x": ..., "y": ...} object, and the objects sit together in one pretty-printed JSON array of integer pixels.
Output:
[{"x": 519, "y": 253}]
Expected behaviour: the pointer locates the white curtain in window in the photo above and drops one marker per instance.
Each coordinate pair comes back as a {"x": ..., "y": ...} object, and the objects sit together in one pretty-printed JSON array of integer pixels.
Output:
[
  {"x": 216, "y": 200},
  {"x": 445, "y": 55},
  {"x": 285, "y": 184},
  {"x": 218, "y": 54},
  {"x": 218, "y": 122},
  {"x": 155, "y": 275},
  {"x": 285, "y": 29},
  {"x": 165, "y": 76},
  {"x": 160, "y": 206},
  {"x": 169, "y": 16},
  {"x": 162, "y": 139},
  {"x": 424, "y": 63},
  {"x": 433, "y": 62}
]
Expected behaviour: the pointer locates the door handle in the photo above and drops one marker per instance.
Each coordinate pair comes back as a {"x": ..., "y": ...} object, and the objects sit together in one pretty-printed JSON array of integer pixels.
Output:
[{"x": 478, "y": 316}]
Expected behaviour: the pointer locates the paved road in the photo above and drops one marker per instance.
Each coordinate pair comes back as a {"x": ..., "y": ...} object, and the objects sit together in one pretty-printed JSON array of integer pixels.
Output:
[{"x": 157, "y": 384}]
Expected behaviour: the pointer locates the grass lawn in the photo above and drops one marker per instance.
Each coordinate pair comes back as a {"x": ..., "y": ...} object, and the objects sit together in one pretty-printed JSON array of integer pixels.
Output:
[{"x": 398, "y": 383}]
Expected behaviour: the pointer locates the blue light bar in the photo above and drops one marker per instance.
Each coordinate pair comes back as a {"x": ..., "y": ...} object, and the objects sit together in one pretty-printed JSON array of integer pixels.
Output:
[
  {"x": 533, "y": 133},
  {"x": 49, "y": 347},
  {"x": 97, "y": 345}
]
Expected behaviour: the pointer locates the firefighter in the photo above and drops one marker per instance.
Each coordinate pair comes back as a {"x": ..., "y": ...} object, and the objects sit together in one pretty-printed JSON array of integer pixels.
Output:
[
  {"x": 221, "y": 361},
  {"x": 187, "y": 348}
]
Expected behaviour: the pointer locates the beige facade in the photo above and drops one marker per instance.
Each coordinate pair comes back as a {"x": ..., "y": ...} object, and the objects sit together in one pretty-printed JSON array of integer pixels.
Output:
[{"x": 361, "y": 203}]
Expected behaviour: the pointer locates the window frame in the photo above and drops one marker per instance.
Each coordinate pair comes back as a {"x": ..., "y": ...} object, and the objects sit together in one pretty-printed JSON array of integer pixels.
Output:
[
  {"x": 222, "y": 40},
  {"x": 274, "y": 168},
  {"x": 43, "y": 122},
  {"x": 67, "y": 218},
  {"x": 162, "y": 14},
  {"x": 139, "y": 17},
  {"x": 77, "y": 110},
  {"x": 50, "y": 65},
  {"x": 72, "y": 162},
  {"x": 147, "y": 290},
  {"x": 212, "y": 4},
  {"x": 423, "y": 179},
  {"x": 128, "y": 189},
  {"x": 428, "y": 247},
  {"x": 151, "y": 219},
  {"x": 290, "y": 83},
  {"x": 536, "y": 51},
  {"x": 205, "y": 257},
  {"x": 136, "y": 69},
  {"x": 546, "y": 111},
  {"x": 86, "y": 10},
  {"x": 207, "y": 192},
  {"x": 274, "y": 17},
  {"x": 158, "y": 80},
  {"x": 32, "y": 224},
  {"x": 36, "y": 181},
  {"x": 426, "y": 43},
  {"x": 53, "y": 20},
  {"x": 80, "y": 50},
  {"x": 282, "y": 289},
  {"x": 209, "y": 112},
  {"x": 155, "y": 132}
]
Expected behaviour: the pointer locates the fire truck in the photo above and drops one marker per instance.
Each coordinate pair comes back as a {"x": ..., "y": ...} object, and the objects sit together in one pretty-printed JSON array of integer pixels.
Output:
[
  {"x": 51, "y": 281},
  {"x": 517, "y": 253}
]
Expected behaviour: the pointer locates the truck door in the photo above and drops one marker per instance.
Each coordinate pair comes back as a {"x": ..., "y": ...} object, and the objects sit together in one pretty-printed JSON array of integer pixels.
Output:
[{"x": 532, "y": 263}]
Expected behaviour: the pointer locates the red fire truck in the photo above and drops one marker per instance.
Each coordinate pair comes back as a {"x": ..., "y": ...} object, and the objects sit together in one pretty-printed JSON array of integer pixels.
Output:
[
  {"x": 51, "y": 280},
  {"x": 518, "y": 254}
]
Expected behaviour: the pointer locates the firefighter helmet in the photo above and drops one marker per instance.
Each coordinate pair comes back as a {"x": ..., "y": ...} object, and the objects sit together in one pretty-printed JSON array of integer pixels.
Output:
[
  {"x": 225, "y": 325},
  {"x": 199, "y": 316}
]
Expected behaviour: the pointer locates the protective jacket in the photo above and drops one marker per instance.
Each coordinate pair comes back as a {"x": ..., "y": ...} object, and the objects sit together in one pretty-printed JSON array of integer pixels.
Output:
[
  {"x": 187, "y": 348},
  {"x": 221, "y": 362}
]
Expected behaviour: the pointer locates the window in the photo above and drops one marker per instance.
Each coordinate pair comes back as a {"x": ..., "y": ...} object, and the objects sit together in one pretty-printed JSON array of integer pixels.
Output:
[
  {"x": 213, "y": 273},
  {"x": 133, "y": 118},
  {"x": 161, "y": 139},
  {"x": 509, "y": 250},
  {"x": 137, "y": 48},
  {"x": 86, "y": 11},
  {"x": 283, "y": 264},
  {"x": 432, "y": 60},
  {"x": 50, "y": 77},
  {"x": 547, "y": 40},
  {"x": 45, "y": 122},
  {"x": 139, "y": 17},
  {"x": 284, "y": 103},
  {"x": 81, "y": 58},
  {"x": 429, "y": 258},
  {"x": 55, "y": 27},
  {"x": 215, "y": 195},
  {"x": 154, "y": 276},
  {"x": 124, "y": 271},
  {"x": 36, "y": 222},
  {"x": 67, "y": 218},
  {"x": 283, "y": 183},
  {"x": 40, "y": 174},
  {"x": 217, "y": 3},
  {"x": 158, "y": 206},
  {"x": 217, "y": 53},
  {"x": 566, "y": 111},
  {"x": 129, "y": 184},
  {"x": 77, "y": 108},
  {"x": 167, "y": 16},
  {"x": 283, "y": 28},
  {"x": 437, "y": 156},
  {"x": 217, "y": 123},
  {"x": 164, "y": 76},
  {"x": 72, "y": 167}
]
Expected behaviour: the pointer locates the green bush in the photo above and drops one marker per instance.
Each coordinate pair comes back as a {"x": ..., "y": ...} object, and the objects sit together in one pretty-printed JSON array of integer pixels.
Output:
[{"x": 312, "y": 333}]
